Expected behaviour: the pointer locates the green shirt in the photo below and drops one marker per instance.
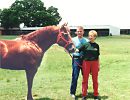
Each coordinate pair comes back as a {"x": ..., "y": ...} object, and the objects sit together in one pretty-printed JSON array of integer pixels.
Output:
[{"x": 90, "y": 51}]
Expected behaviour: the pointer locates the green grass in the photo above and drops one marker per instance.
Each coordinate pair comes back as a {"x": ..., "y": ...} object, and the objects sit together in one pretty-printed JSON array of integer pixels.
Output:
[
  {"x": 52, "y": 81},
  {"x": 7, "y": 37}
]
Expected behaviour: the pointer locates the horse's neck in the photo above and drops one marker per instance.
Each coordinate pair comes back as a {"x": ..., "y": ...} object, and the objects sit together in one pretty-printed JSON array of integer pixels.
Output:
[{"x": 44, "y": 38}]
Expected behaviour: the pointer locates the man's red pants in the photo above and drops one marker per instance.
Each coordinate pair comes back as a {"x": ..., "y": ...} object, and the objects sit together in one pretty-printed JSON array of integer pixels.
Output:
[{"x": 93, "y": 67}]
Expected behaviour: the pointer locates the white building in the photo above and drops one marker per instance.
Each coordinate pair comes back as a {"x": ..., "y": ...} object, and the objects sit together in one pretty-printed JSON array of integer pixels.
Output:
[
  {"x": 103, "y": 30},
  {"x": 108, "y": 29}
]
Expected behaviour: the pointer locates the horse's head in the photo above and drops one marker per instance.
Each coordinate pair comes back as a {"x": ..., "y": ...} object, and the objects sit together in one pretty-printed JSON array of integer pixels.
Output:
[{"x": 64, "y": 39}]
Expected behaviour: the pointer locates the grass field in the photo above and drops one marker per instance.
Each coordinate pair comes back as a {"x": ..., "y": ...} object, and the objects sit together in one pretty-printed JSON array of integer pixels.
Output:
[{"x": 52, "y": 81}]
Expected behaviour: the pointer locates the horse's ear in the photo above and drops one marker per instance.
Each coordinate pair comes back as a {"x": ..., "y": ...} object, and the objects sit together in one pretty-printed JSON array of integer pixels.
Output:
[
  {"x": 65, "y": 24},
  {"x": 64, "y": 27}
]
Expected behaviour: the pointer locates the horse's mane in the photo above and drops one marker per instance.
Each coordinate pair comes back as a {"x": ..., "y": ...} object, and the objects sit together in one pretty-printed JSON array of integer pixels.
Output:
[{"x": 42, "y": 30}]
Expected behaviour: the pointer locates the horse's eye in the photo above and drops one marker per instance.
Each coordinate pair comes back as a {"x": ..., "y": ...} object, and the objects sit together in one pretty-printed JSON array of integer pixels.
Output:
[{"x": 65, "y": 34}]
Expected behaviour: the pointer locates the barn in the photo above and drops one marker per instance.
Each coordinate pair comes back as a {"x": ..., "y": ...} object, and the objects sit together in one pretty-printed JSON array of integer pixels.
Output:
[{"x": 103, "y": 30}]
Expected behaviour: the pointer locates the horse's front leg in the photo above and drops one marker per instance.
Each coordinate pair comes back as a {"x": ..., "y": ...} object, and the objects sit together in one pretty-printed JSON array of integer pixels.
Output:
[{"x": 30, "y": 76}]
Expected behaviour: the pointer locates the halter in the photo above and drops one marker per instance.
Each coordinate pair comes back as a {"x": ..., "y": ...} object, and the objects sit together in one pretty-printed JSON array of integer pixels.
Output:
[
  {"x": 67, "y": 43},
  {"x": 60, "y": 36}
]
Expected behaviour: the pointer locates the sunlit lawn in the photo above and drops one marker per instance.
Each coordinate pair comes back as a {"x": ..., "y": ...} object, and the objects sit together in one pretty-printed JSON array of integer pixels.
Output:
[{"x": 52, "y": 81}]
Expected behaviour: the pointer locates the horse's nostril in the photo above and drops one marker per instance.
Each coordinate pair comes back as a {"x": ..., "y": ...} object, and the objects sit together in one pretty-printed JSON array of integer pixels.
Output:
[{"x": 72, "y": 49}]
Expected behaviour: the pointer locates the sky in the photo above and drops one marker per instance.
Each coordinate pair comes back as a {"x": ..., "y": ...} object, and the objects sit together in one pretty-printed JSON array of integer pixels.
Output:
[{"x": 88, "y": 12}]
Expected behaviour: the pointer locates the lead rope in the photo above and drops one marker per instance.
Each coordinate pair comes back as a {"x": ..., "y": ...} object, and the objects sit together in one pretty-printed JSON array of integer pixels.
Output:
[{"x": 74, "y": 61}]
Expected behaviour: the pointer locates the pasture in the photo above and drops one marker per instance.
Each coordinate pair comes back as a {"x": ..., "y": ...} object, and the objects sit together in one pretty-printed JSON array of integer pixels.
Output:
[{"x": 52, "y": 81}]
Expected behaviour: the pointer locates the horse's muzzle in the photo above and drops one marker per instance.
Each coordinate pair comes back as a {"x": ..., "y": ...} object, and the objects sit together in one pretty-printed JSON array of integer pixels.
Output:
[{"x": 71, "y": 50}]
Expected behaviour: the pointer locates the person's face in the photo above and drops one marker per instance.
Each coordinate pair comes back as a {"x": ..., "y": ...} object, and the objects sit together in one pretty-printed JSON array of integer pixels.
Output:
[
  {"x": 91, "y": 37},
  {"x": 79, "y": 32}
]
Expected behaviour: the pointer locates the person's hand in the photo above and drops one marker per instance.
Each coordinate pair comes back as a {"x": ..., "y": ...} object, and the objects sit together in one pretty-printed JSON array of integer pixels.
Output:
[
  {"x": 98, "y": 68},
  {"x": 76, "y": 50},
  {"x": 90, "y": 73}
]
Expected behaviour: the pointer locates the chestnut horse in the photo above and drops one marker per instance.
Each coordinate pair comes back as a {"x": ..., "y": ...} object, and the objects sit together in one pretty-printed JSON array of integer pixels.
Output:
[{"x": 26, "y": 52}]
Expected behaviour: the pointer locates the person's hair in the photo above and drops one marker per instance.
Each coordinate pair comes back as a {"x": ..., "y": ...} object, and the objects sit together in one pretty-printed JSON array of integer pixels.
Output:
[
  {"x": 93, "y": 32},
  {"x": 80, "y": 27}
]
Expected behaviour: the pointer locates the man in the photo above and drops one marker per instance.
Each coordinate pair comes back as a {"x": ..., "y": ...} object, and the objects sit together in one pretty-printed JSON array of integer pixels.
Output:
[{"x": 79, "y": 40}]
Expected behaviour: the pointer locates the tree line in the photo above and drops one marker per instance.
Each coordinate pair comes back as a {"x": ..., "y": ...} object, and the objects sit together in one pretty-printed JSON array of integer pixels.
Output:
[{"x": 32, "y": 13}]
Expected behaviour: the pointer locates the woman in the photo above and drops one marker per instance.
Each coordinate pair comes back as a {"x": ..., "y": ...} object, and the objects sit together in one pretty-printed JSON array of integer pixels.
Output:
[{"x": 90, "y": 64}]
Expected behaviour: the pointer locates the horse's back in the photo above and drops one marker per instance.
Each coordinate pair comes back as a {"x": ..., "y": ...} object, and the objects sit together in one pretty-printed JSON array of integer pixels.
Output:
[{"x": 17, "y": 54}]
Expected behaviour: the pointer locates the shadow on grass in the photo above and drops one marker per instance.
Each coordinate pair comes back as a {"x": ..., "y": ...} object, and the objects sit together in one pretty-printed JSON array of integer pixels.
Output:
[
  {"x": 46, "y": 98},
  {"x": 90, "y": 95}
]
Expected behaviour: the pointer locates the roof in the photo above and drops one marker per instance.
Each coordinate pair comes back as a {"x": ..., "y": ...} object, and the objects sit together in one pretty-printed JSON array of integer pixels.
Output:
[{"x": 95, "y": 27}]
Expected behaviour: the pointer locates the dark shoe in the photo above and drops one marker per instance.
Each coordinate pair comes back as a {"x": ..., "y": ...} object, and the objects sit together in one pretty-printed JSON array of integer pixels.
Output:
[
  {"x": 83, "y": 98},
  {"x": 96, "y": 98}
]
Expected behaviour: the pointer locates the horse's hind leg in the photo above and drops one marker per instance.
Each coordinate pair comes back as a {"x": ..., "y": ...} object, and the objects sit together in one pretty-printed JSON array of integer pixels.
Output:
[{"x": 30, "y": 75}]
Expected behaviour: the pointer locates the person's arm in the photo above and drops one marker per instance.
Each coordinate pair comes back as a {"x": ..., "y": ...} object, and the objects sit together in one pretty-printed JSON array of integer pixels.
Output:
[
  {"x": 98, "y": 64},
  {"x": 98, "y": 58},
  {"x": 98, "y": 48},
  {"x": 83, "y": 47}
]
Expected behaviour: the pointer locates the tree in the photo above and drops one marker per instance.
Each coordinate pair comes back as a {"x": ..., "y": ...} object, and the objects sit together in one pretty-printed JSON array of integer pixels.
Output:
[
  {"x": 30, "y": 12},
  {"x": 9, "y": 18},
  {"x": 0, "y": 16},
  {"x": 54, "y": 16}
]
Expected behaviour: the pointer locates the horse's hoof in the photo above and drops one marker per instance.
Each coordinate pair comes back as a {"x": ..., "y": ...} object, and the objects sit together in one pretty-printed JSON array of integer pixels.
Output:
[{"x": 30, "y": 98}]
